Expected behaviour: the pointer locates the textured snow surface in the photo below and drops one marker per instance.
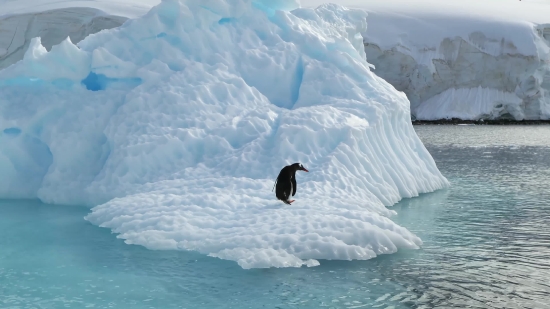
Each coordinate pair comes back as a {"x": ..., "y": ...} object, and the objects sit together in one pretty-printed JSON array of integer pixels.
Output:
[
  {"x": 177, "y": 123},
  {"x": 429, "y": 49}
]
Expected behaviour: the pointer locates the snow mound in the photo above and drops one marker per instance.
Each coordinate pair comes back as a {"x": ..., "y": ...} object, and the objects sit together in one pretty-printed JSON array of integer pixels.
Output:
[{"x": 177, "y": 123}]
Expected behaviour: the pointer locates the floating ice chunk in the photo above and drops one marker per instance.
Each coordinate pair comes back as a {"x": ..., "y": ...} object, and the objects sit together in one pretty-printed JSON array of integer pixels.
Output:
[
  {"x": 237, "y": 219},
  {"x": 175, "y": 125}
]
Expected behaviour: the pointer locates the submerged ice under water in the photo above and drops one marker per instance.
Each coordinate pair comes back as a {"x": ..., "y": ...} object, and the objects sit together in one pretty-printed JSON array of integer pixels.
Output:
[{"x": 486, "y": 245}]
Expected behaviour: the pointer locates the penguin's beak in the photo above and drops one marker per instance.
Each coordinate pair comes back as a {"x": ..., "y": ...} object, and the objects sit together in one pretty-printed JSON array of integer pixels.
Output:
[{"x": 305, "y": 170}]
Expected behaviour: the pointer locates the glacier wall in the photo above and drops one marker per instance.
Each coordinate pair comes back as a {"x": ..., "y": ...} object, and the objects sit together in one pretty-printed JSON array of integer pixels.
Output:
[
  {"x": 453, "y": 66},
  {"x": 174, "y": 126},
  {"x": 53, "y": 26}
]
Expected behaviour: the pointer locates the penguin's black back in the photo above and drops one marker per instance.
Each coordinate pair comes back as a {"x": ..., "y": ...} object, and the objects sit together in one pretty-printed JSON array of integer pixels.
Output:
[{"x": 286, "y": 183}]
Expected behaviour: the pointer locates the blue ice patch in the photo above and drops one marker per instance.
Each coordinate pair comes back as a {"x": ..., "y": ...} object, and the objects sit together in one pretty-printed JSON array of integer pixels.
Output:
[
  {"x": 12, "y": 131},
  {"x": 226, "y": 20},
  {"x": 97, "y": 82}
]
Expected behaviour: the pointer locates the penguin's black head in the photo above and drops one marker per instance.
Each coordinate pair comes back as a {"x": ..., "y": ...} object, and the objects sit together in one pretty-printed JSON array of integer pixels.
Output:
[{"x": 299, "y": 167}]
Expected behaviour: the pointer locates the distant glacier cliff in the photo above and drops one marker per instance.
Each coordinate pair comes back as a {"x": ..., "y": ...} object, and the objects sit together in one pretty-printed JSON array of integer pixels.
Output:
[{"x": 463, "y": 67}]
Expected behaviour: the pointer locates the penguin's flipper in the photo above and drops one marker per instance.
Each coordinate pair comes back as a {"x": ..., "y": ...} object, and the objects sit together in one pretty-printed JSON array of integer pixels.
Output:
[{"x": 293, "y": 188}]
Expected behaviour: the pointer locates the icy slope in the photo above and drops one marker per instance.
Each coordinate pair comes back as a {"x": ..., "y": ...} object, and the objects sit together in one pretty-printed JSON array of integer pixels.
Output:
[
  {"x": 464, "y": 59},
  {"x": 177, "y": 123}
]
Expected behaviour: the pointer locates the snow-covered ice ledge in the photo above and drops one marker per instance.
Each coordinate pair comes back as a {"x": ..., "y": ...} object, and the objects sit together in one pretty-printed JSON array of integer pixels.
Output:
[{"x": 174, "y": 126}]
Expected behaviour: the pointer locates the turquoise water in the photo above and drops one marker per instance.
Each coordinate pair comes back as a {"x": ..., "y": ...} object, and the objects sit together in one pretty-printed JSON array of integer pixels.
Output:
[{"x": 486, "y": 245}]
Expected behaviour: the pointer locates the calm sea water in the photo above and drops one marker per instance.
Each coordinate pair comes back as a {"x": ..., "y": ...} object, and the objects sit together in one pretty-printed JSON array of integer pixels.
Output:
[{"x": 486, "y": 245}]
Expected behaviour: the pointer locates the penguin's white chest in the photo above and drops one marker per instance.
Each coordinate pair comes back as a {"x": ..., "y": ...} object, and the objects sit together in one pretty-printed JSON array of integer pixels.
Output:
[{"x": 291, "y": 188}]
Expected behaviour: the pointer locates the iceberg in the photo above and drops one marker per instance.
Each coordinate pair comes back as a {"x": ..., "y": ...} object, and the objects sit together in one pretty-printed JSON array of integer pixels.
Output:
[{"x": 173, "y": 127}]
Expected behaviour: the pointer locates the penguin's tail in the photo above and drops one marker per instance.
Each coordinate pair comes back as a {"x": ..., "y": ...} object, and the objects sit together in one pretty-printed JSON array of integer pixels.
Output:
[{"x": 274, "y": 185}]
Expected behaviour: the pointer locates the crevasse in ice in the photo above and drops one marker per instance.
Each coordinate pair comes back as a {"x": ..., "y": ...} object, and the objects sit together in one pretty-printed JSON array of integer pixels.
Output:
[{"x": 175, "y": 125}]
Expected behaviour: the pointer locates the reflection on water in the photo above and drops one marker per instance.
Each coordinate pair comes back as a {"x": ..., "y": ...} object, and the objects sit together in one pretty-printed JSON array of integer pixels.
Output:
[{"x": 486, "y": 245}]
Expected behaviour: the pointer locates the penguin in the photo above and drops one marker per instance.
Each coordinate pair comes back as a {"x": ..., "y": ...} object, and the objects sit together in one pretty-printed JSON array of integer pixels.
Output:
[{"x": 286, "y": 182}]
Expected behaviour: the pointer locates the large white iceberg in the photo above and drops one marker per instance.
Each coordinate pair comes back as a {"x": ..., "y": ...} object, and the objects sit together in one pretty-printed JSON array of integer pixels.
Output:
[{"x": 177, "y": 123}]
